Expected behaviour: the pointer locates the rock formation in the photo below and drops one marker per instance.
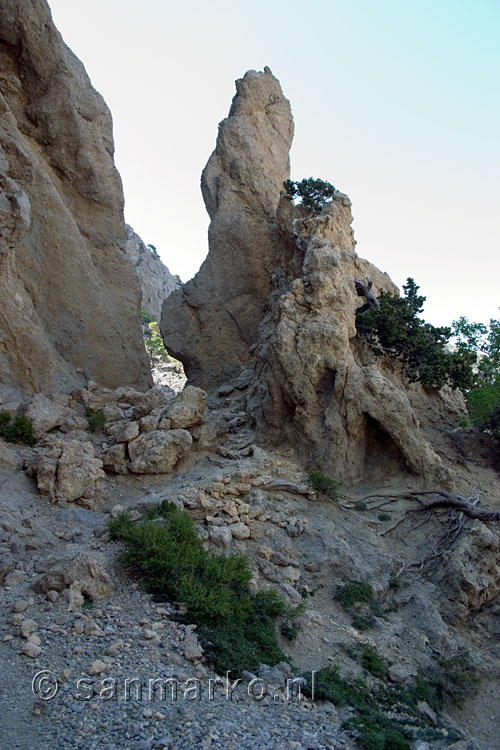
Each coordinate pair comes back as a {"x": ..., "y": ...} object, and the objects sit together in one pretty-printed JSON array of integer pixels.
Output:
[
  {"x": 210, "y": 323},
  {"x": 155, "y": 280},
  {"x": 316, "y": 385},
  {"x": 70, "y": 299}
]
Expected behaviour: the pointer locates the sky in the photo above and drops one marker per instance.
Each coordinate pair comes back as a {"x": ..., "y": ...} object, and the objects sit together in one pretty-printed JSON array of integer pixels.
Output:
[{"x": 395, "y": 102}]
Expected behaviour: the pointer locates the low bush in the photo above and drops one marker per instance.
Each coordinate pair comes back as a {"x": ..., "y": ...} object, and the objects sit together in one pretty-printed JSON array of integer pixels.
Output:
[
  {"x": 236, "y": 626},
  {"x": 17, "y": 429},
  {"x": 321, "y": 483},
  {"x": 352, "y": 592},
  {"x": 312, "y": 193},
  {"x": 386, "y": 717},
  {"x": 374, "y": 663},
  {"x": 95, "y": 419}
]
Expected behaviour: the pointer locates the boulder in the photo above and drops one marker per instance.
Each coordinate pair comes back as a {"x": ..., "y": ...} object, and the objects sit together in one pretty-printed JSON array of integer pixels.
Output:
[
  {"x": 187, "y": 409},
  {"x": 86, "y": 573},
  {"x": 158, "y": 396},
  {"x": 66, "y": 470},
  {"x": 116, "y": 459},
  {"x": 158, "y": 452},
  {"x": 46, "y": 414}
]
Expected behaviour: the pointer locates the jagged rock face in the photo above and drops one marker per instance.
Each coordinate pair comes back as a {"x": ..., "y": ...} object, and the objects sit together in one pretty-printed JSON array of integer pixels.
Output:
[
  {"x": 155, "y": 280},
  {"x": 317, "y": 386},
  {"x": 70, "y": 299},
  {"x": 210, "y": 323}
]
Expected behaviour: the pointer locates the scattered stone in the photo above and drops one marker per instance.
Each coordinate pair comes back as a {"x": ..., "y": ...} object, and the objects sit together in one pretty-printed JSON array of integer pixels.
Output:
[
  {"x": 28, "y": 627},
  {"x": 31, "y": 649},
  {"x": 97, "y": 667},
  {"x": 14, "y": 578},
  {"x": 192, "y": 649},
  {"x": 239, "y": 531}
]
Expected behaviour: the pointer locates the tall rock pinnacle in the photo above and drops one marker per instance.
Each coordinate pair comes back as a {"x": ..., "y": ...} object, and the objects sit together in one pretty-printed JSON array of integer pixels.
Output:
[{"x": 211, "y": 323}]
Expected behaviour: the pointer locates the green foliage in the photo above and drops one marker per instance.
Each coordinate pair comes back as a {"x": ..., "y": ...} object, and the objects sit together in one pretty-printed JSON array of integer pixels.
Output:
[
  {"x": 177, "y": 280},
  {"x": 352, "y": 592},
  {"x": 154, "y": 344},
  {"x": 154, "y": 252},
  {"x": 96, "y": 419},
  {"x": 376, "y": 730},
  {"x": 453, "y": 681},
  {"x": 363, "y": 622},
  {"x": 312, "y": 193},
  {"x": 16, "y": 430},
  {"x": 320, "y": 483},
  {"x": 484, "y": 341},
  {"x": 397, "y": 329},
  {"x": 374, "y": 663},
  {"x": 146, "y": 317},
  {"x": 237, "y": 627},
  {"x": 387, "y": 716}
]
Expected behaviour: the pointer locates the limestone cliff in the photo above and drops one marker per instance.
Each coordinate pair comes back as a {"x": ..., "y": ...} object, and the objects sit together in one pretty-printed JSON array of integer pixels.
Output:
[
  {"x": 210, "y": 323},
  {"x": 70, "y": 299},
  {"x": 155, "y": 280}
]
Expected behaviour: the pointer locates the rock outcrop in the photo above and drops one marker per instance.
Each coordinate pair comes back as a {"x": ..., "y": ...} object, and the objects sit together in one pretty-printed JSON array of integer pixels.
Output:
[
  {"x": 70, "y": 299},
  {"x": 155, "y": 280},
  {"x": 317, "y": 385},
  {"x": 211, "y": 322},
  {"x": 276, "y": 298}
]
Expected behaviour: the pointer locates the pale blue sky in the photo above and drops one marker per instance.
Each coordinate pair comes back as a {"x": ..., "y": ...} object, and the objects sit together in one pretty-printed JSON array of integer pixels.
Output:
[{"x": 395, "y": 103}]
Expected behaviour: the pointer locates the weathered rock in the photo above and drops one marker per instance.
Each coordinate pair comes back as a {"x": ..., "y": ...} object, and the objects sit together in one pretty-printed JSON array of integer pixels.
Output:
[
  {"x": 317, "y": 386},
  {"x": 158, "y": 452},
  {"x": 470, "y": 572},
  {"x": 210, "y": 323},
  {"x": 70, "y": 298},
  {"x": 97, "y": 667},
  {"x": 187, "y": 409},
  {"x": 74, "y": 423},
  {"x": 239, "y": 531},
  {"x": 66, "y": 469},
  {"x": 116, "y": 459},
  {"x": 221, "y": 536},
  {"x": 192, "y": 649},
  {"x": 155, "y": 280},
  {"x": 31, "y": 649},
  {"x": 124, "y": 431},
  {"x": 85, "y": 573},
  {"x": 10, "y": 460},
  {"x": 210, "y": 435},
  {"x": 158, "y": 396},
  {"x": 46, "y": 414}
]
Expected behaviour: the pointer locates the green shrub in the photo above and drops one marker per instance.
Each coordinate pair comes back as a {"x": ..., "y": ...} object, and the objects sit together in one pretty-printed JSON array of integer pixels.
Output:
[
  {"x": 154, "y": 344},
  {"x": 397, "y": 330},
  {"x": 352, "y": 592},
  {"x": 146, "y": 317},
  {"x": 237, "y": 627},
  {"x": 96, "y": 419},
  {"x": 376, "y": 730},
  {"x": 320, "y": 483},
  {"x": 16, "y": 430},
  {"x": 312, "y": 193},
  {"x": 374, "y": 663},
  {"x": 363, "y": 622}
]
